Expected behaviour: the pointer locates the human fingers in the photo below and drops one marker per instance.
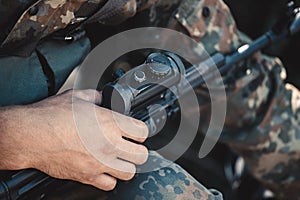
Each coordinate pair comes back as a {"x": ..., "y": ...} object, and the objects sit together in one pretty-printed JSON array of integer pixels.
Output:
[
  {"x": 122, "y": 170},
  {"x": 104, "y": 182},
  {"x": 135, "y": 153},
  {"x": 100, "y": 180},
  {"x": 131, "y": 128}
]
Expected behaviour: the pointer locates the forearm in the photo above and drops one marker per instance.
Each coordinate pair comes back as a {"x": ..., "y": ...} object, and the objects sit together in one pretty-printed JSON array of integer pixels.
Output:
[{"x": 13, "y": 149}]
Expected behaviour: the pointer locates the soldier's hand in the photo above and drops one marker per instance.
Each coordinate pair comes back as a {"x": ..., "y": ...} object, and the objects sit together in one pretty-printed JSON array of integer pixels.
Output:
[{"x": 45, "y": 136}]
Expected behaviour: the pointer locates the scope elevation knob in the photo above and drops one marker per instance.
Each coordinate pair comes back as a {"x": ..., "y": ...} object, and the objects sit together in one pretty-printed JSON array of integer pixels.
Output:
[{"x": 159, "y": 64}]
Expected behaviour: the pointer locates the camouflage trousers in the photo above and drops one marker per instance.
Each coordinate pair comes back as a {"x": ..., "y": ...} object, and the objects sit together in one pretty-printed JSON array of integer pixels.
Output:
[{"x": 169, "y": 182}]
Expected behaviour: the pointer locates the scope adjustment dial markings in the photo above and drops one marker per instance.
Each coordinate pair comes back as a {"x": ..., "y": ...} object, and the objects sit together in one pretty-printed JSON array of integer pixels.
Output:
[{"x": 159, "y": 64}]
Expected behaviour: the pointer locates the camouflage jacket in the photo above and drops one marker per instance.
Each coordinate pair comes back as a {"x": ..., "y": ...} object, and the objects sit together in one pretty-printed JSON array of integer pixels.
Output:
[{"x": 263, "y": 112}]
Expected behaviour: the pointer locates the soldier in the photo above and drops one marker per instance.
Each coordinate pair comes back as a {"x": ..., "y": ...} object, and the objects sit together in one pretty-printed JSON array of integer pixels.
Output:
[{"x": 262, "y": 122}]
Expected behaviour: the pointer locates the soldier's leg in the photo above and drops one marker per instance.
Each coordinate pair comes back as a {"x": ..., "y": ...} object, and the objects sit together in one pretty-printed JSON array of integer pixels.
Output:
[{"x": 168, "y": 182}]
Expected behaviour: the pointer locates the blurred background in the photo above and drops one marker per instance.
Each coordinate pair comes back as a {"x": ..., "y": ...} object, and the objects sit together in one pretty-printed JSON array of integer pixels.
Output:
[{"x": 255, "y": 17}]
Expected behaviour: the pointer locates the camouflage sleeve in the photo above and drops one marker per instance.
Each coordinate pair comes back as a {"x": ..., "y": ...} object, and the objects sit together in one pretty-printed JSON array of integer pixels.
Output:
[
  {"x": 262, "y": 120},
  {"x": 270, "y": 144},
  {"x": 166, "y": 181}
]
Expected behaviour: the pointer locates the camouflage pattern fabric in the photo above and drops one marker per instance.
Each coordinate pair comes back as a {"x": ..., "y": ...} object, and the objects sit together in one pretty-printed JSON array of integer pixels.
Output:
[
  {"x": 262, "y": 124},
  {"x": 209, "y": 22},
  {"x": 263, "y": 119},
  {"x": 271, "y": 147},
  {"x": 169, "y": 182},
  {"x": 44, "y": 17},
  {"x": 47, "y": 16}
]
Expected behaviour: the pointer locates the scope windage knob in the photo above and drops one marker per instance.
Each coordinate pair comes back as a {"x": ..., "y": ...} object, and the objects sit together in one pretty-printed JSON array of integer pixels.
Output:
[
  {"x": 139, "y": 76},
  {"x": 159, "y": 64}
]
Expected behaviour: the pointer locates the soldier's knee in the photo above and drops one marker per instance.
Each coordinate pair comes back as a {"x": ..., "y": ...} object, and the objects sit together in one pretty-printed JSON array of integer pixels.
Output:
[{"x": 167, "y": 182}]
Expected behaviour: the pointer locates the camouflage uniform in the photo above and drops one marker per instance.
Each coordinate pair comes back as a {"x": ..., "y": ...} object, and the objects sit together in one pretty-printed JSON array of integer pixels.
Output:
[
  {"x": 171, "y": 182},
  {"x": 262, "y": 122}
]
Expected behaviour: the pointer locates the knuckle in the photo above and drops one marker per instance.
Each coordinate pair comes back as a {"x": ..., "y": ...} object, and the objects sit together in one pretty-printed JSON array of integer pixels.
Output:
[
  {"x": 79, "y": 94},
  {"x": 92, "y": 93},
  {"x": 86, "y": 177},
  {"x": 90, "y": 178},
  {"x": 89, "y": 95},
  {"x": 110, "y": 149}
]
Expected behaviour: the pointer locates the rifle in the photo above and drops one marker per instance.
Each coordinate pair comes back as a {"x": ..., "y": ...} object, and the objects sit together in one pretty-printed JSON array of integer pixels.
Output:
[{"x": 134, "y": 91}]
